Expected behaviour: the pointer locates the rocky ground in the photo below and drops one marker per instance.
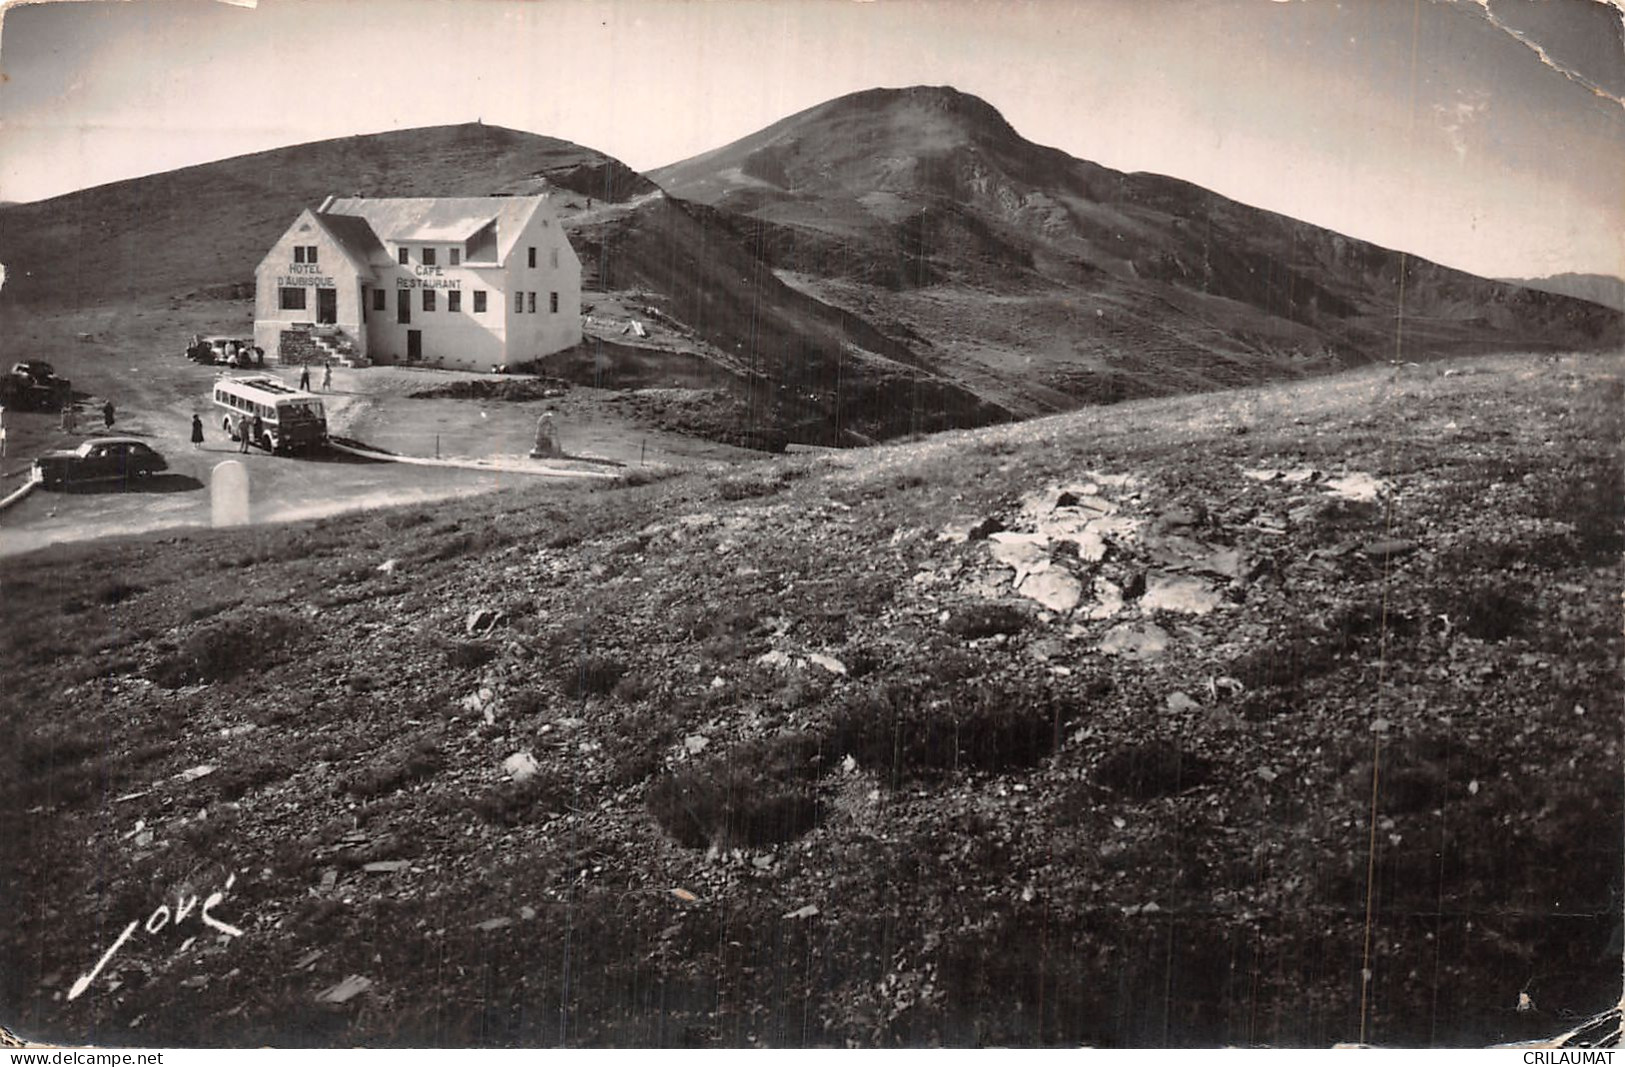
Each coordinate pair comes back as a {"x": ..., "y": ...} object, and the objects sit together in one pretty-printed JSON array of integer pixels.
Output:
[{"x": 1282, "y": 716}]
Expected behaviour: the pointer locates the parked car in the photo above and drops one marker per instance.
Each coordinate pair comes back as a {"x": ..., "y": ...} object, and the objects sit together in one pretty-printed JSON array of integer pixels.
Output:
[
  {"x": 32, "y": 384},
  {"x": 99, "y": 459},
  {"x": 214, "y": 350}
]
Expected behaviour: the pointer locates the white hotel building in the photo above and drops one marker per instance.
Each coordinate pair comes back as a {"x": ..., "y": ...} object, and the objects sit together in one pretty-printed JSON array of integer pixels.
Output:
[{"x": 464, "y": 282}]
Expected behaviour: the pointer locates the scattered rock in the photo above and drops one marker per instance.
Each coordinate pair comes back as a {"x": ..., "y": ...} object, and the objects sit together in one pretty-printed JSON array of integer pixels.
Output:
[
  {"x": 1024, "y": 552},
  {"x": 1226, "y": 563},
  {"x": 345, "y": 991},
  {"x": 1176, "y": 592},
  {"x": 388, "y": 566},
  {"x": 1389, "y": 549},
  {"x": 775, "y": 658},
  {"x": 192, "y": 774},
  {"x": 499, "y": 923},
  {"x": 521, "y": 766},
  {"x": 1054, "y": 588},
  {"x": 806, "y": 912},
  {"x": 694, "y": 744},
  {"x": 1181, "y": 702},
  {"x": 1356, "y": 486},
  {"x": 1182, "y": 515},
  {"x": 1137, "y": 640},
  {"x": 482, "y": 621},
  {"x": 1108, "y": 599},
  {"x": 829, "y": 663},
  {"x": 386, "y": 866}
]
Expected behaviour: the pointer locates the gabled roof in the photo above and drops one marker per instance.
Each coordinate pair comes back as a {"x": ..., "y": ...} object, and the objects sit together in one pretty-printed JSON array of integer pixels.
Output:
[
  {"x": 354, "y": 236},
  {"x": 445, "y": 220}
]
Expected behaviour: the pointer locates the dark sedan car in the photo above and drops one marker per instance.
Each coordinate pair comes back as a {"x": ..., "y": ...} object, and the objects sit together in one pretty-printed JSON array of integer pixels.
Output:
[{"x": 98, "y": 459}]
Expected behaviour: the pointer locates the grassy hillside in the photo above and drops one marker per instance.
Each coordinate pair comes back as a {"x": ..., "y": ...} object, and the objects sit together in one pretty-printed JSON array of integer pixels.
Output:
[
  {"x": 205, "y": 228},
  {"x": 1296, "y": 682}
]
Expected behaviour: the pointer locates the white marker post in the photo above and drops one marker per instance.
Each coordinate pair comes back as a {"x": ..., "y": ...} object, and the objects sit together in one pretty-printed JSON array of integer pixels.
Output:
[{"x": 228, "y": 493}]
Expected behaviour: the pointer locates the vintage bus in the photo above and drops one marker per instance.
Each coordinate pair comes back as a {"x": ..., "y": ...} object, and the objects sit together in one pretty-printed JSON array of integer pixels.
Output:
[{"x": 290, "y": 418}]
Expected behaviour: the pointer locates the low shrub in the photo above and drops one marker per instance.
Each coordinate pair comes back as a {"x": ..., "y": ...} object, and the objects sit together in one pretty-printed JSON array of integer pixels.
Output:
[
  {"x": 758, "y": 794},
  {"x": 911, "y": 730},
  {"x": 1152, "y": 769},
  {"x": 237, "y": 780},
  {"x": 469, "y": 654},
  {"x": 743, "y": 487},
  {"x": 228, "y": 650},
  {"x": 396, "y": 769},
  {"x": 590, "y": 675},
  {"x": 511, "y": 803},
  {"x": 986, "y": 620}
]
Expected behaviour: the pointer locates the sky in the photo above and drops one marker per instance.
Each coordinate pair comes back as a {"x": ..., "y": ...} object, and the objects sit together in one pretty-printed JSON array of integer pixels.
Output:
[{"x": 1485, "y": 134}]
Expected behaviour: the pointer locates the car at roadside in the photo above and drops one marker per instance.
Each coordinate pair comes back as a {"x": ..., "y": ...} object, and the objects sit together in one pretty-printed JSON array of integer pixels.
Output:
[
  {"x": 122, "y": 459},
  {"x": 230, "y": 351}
]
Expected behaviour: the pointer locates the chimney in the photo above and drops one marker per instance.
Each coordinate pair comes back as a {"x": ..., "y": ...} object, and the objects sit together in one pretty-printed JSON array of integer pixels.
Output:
[{"x": 325, "y": 205}]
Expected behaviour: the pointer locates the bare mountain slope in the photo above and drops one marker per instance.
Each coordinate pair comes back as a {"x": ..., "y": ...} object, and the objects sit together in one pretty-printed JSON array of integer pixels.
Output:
[
  {"x": 1604, "y": 289},
  {"x": 924, "y": 208}
]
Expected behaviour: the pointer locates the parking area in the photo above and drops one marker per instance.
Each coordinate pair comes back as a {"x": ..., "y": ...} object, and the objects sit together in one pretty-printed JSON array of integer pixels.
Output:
[{"x": 156, "y": 390}]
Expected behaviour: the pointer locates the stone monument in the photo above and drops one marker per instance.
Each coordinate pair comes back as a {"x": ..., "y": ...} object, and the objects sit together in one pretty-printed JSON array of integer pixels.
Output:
[
  {"x": 547, "y": 438},
  {"x": 228, "y": 493}
]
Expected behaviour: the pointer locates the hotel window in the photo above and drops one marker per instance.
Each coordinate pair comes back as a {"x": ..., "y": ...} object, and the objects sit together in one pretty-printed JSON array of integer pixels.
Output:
[
  {"x": 518, "y": 303},
  {"x": 403, "y": 255},
  {"x": 553, "y": 303},
  {"x": 428, "y": 257},
  {"x": 310, "y": 253},
  {"x": 532, "y": 302},
  {"x": 454, "y": 300},
  {"x": 553, "y": 258},
  {"x": 378, "y": 298},
  {"x": 533, "y": 255},
  {"x": 292, "y": 299},
  {"x": 428, "y": 300},
  {"x": 298, "y": 253},
  {"x": 479, "y": 301},
  {"x": 456, "y": 255}
]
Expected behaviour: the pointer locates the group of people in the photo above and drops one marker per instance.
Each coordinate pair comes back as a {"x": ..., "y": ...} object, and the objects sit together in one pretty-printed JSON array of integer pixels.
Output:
[{"x": 327, "y": 377}]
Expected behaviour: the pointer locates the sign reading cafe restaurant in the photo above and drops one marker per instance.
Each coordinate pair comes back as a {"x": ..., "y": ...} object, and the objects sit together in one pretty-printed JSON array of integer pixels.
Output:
[{"x": 466, "y": 282}]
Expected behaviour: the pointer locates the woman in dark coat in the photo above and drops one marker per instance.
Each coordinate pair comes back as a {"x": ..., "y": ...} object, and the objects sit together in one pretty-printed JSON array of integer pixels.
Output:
[{"x": 197, "y": 431}]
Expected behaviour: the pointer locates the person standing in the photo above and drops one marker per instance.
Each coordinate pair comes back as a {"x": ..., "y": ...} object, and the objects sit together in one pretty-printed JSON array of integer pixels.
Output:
[
  {"x": 304, "y": 379},
  {"x": 258, "y": 429},
  {"x": 2, "y": 431},
  {"x": 327, "y": 375},
  {"x": 70, "y": 418},
  {"x": 242, "y": 433},
  {"x": 197, "y": 432},
  {"x": 107, "y": 414}
]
